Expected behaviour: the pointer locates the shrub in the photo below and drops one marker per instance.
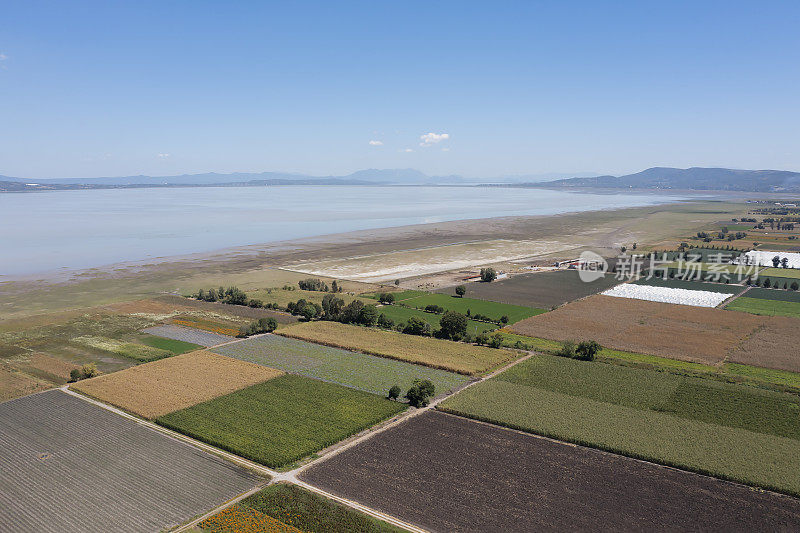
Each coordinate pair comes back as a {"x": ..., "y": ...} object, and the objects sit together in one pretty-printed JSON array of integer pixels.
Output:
[
  {"x": 89, "y": 370},
  {"x": 567, "y": 349},
  {"x": 504, "y": 319},
  {"x": 394, "y": 392},
  {"x": 586, "y": 350},
  {"x": 417, "y": 326},
  {"x": 75, "y": 375},
  {"x": 386, "y": 298},
  {"x": 262, "y": 325},
  {"x": 482, "y": 339},
  {"x": 313, "y": 284},
  {"x": 420, "y": 393},
  {"x": 437, "y": 309},
  {"x": 384, "y": 322},
  {"x": 255, "y": 303}
]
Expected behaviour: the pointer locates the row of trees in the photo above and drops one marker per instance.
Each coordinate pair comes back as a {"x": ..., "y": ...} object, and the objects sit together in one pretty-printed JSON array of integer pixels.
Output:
[
  {"x": 231, "y": 295},
  {"x": 262, "y": 325},
  {"x": 315, "y": 284}
]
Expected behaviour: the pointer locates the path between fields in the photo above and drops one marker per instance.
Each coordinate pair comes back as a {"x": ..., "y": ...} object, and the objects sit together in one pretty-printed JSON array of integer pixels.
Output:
[{"x": 291, "y": 475}]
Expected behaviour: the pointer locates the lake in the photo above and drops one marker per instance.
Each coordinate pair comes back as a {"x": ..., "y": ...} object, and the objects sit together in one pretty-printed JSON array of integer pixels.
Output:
[{"x": 45, "y": 231}]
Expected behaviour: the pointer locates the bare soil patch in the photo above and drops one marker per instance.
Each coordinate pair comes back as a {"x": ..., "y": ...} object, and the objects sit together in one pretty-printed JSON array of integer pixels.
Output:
[
  {"x": 773, "y": 345},
  {"x": 459, "y": 475},
  {"x": 679, "y": 331},
  {"x": 167, "y": 385}
]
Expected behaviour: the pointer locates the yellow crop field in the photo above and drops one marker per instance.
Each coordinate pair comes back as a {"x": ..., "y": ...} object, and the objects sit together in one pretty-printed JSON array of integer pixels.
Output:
[
  {"x": 447, "y": 355},
  {"x": 167, "y": 385}
]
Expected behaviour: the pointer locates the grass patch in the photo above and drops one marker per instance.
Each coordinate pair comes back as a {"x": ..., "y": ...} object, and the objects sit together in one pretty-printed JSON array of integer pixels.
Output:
[
  {"x": 758, "y": 306},
  {"x": 761, "y": 459},
  {"x": 781, "y": 273},
  {"x": 139, "y": 352},
  {"x": 436, "y": 353},
  {"x": 171, "y": 345},
  {"x": 281, "y": 420},
  {"x": 398, "y": 296},
  {"x": 773, "y": 294},
  {"x": 769, "y": 375},
  {"x": 493, "y": 310}
]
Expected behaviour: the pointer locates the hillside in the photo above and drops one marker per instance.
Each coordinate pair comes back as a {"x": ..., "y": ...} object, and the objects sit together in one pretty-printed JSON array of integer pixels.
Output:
[{"x": 695, "y": 178}]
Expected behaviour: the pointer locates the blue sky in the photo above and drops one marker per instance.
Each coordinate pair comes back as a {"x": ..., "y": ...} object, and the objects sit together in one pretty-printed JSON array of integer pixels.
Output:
[{"x": 120, "y": 88}]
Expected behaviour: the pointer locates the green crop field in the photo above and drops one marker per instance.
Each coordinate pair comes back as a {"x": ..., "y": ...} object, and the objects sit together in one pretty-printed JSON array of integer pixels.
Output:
[
  {"x": 782, "y": 273},
  {"x": 402, "y": 314},
  {"x": 351, "y": 369},
  {"x": 493, "y": 310},
  {"x": 769, "y": 375},
  {"x": 281, "y": 420},
  {"x": 758, "y": 306},
  {"x": 399, "y": 296},
  {"x": 171, "y": 345},
  {"x": 773, "y": 294},
  {"x": 731, "y": 431},
  {"x": 691, "y": 285},
  {"x": 300, "y": 509}
]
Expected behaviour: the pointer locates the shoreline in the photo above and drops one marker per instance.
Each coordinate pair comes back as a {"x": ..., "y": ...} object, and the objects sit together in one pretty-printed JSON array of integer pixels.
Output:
[{"x": 296, "y": 245}]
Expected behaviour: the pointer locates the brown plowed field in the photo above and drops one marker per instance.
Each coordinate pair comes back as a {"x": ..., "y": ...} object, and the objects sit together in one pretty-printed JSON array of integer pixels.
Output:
[
  {"x": 774, "y": 345},
  {"x": 174, "y": 383},
  {"x": 446, "y": 473},
  {"x": 668, "y": 330}
]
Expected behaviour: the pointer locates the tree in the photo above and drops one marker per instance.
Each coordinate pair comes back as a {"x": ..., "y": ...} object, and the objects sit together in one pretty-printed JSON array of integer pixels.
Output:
[
  {"x": 201, "y": 295},
  {"x": 397, "y": 282},
  {"x": 255, "y": 303},
  {"x": 794, "y": 286},
  {"x": 262, "y": 325},
  {"x": 75, "y": 375},
  {"x": 386, "y": 298},
  {"x": 488, "y": 274},
  {"x": 496, "y": 341},
  {"x": 776, "y": 261},
  {"x": 394, "y": 392},
  {"x": 368, "y": 315},
  {"x": 417, "y": 326},
  {"x": 785, "y": 262},
  {"x": 89, "y": 370},
  {"x": 504, "y": 319},
  {"x": 482, "y": 339},
  {"x": 335, "y": 286},
  {"x": 453, "y": 324},
  {"x": 308, "y": 311},
  {"x": 634, "y": 244},
  {"x": 767, "y": 283},
  {"x": 567, "y": 349},
  {"x": 461, "y": 291},
  {"x": 332, "y": 306},
  {"x": 623, "y": 249},
  {"x": 313, "y": 284},
  {"x": 351, "y": 312},
  {"x": 420, "y": 393},
  {"x": 586, "y": 350}
]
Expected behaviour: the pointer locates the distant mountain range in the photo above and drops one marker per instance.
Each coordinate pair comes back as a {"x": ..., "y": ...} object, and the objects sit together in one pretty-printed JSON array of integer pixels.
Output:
[
  {"x": 695, "y": 178},
  {"x": 398, "y": 176},
  {"x": 703, "y": 179}
]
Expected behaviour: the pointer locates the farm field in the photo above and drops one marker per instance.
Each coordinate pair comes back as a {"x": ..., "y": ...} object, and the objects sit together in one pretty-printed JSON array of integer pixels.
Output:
[
  {"x": 160, "y": 387},
  {"x": 780, "y": 273},
  {"x": 282, "y": 297},
  {"x": 493, "y": 310},
  {"x": 486, "y": 477},
  {"x": 764, "y": 258},
  {"x": 284, "y": 507},
  {"x": 435, "y": 353},
  {"x": 758, "y": 459},
  {"x": 138, "y": 352},
  {"x": 176, "y": 347},
  {"x": 190, "y": 335},
  {"x": 678, "y": 331},
  {"x": 759, "y": 306},
  {"x": 691, "y": 285},
  {"x": 399, "y": 296},
  {"x": 240, "y": 311},
  {"x": 72, "y": 466},
  {"x": 351, "y": 369},
  {"x": 542, "y": 290},
  {"x": 14, "y": 384},
  {"x": 282, "y": 420},
  {"x": 773, "y": 294},
  {"x": 672, "y": 295},
  {"x": 773, "y": 346},
  {"x": 401, "y": 314}
]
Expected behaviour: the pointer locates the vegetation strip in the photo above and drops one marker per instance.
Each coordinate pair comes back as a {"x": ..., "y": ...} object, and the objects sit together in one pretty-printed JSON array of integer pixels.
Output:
[{"x": 435, "y": 353}]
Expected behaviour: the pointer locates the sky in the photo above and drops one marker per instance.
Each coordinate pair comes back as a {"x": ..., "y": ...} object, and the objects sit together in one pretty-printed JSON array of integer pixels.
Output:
[{"x": 481, "y": 89}]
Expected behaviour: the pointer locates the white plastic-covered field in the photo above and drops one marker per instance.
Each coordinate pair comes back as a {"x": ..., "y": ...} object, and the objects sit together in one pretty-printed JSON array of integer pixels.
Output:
[
  {"x": 764, "y": 258},
  {"x": 668, "y": 295}
]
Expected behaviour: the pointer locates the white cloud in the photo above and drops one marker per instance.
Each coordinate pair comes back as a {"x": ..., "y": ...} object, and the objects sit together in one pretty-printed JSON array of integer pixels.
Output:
[
  {"x": 445, "y": 149},
  {"x": 376, "y": 143},
  {"x": 163, "y": 156},
  {"x": 407, "y": 150},
  {"x": 3, "y": 57},
  {"x": 429, "y": 139}
]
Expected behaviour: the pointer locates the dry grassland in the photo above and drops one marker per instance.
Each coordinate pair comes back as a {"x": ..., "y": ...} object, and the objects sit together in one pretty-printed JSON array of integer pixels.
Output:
[
  {"x": 167, "y": 385},
  {"x": 14, "y": 384},
  {"x": 773, "y": 345},
  {"x": 446, "y": 355},
  {"x": 668, "y": 330}
]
